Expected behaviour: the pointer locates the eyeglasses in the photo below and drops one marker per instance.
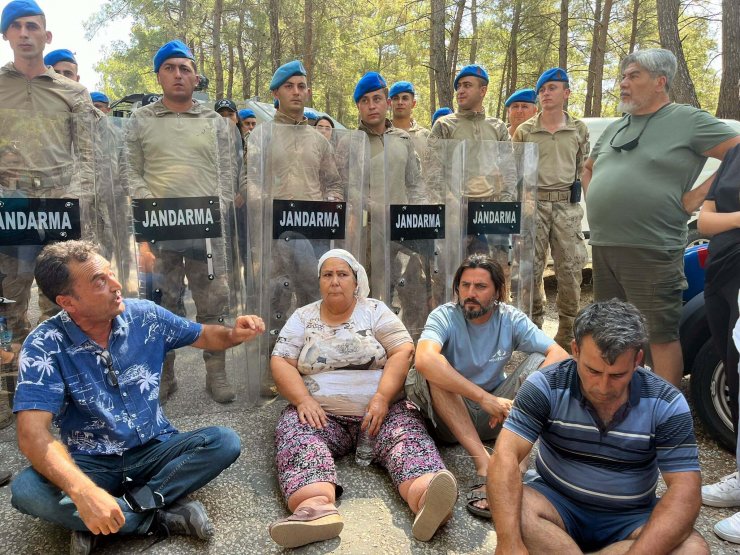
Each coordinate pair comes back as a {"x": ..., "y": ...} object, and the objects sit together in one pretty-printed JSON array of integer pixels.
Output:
[
  {"x": 631, "y": 145},
  {"x": 105, "y": 356}
]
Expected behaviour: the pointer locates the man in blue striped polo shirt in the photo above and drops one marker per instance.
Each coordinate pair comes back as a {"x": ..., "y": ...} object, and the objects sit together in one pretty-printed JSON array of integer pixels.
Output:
[{"x": 606, "y": 427}]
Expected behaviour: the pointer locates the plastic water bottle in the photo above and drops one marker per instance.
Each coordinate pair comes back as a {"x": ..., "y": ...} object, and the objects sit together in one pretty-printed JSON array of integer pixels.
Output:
[
  {"x": 6, "y": 334},
  {"x": 365, "y": 448}
]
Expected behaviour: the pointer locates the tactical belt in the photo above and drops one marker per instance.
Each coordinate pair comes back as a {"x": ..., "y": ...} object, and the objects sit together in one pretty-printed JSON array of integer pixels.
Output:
[{"x": 554, "y": 196}]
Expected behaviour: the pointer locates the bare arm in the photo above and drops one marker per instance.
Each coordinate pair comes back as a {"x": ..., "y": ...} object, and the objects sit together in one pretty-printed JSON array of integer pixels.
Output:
[
  {"x": 434, "y": 367},
  {"x": 98, "y": 509},
  {"x": 504, "y": 490},
  {"x": 692, "y": 199},
  {"x": 219, "y": 338},
  {"x": 391, "y": 383},
  {"x": 712, "y": 222},
  {"x": 290, "y": 385},
  {"x": 554, "y": 353},
  {"x": 587, "y": 173},
  {"x": 672, "y": 520}
]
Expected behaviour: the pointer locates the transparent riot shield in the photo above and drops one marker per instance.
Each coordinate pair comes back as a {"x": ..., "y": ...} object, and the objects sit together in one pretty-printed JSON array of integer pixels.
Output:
[
  {"x": 409, "y": 237},
  {"x": 304, "y": 196},
  {"x": 113, "y": 201},
  {"x": 182, "y": 175},
  {"x": 491, "y": 190},
  {"x": 47, "y": 195}
]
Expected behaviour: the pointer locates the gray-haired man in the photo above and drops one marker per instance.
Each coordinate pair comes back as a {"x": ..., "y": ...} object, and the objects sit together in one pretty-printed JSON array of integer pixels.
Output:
[
  {"x": 639, "y": 177},
  {"x": 606, "y": 427}
]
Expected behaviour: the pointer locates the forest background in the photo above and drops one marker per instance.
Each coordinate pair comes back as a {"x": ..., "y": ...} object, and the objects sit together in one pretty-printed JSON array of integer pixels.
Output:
[{"x": 239, "y": 43}]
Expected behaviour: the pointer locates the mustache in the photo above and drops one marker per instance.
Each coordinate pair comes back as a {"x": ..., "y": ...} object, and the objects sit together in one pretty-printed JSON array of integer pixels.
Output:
[{"x": 465, "y": 301}]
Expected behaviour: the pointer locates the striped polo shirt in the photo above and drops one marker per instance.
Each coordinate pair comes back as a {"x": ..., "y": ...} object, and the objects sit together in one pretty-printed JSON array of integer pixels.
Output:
[{"x": 604, "y": 467}]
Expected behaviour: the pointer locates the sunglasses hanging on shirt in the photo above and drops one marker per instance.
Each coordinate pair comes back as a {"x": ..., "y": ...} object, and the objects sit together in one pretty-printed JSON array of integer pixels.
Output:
[{"x": 632, "y": 144}]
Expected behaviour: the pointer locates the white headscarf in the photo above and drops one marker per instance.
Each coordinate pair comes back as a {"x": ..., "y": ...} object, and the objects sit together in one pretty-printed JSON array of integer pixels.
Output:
[{"x": 363, "y": 286}]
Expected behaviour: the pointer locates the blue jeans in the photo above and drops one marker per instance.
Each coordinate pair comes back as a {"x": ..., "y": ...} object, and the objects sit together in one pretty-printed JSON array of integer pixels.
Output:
[{"x": 172, "y": 468}]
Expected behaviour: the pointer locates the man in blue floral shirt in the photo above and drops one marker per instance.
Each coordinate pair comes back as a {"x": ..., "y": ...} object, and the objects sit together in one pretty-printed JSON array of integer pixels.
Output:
[{"x": 94, "y": 369}]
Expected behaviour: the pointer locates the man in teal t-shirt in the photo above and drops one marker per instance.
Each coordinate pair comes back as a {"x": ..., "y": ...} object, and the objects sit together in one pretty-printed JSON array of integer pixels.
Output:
[
  {"x": 638, "y": 194},
  {"x": 459, "y": 382}
]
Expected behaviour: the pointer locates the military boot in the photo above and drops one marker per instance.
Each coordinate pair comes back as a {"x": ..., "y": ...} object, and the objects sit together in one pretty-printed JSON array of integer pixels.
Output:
[
  {"x": 565, "y": 332},
  {"x": 6, "y": 415},
  {"x": 167, "y": 382},
  {"x": 217, "y": 382}
]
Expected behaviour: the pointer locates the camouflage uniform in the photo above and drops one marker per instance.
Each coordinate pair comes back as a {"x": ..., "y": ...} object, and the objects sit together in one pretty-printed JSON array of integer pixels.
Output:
[
  {"x": 46, "y": 144},
  {"x": 486, "y": 179},
  {"x": 561, "y": 157},
  {"x": 293, "y": 161},
  {"x": 396, "y": 164},
  {"x": 188, "y": 154}
]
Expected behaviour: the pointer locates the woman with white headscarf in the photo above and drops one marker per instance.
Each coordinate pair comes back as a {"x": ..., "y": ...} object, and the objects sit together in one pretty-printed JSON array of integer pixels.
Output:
[{"x": 341, "y": 362}]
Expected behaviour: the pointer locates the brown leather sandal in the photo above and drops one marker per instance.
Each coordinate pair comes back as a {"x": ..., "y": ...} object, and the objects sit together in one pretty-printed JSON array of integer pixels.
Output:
[{"x": 307, "y": 525}]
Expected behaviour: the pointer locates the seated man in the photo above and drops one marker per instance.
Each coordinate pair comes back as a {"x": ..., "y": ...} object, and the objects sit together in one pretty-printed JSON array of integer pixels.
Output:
[
  {"x": 459, "y": 382},
  {"x": 606, "y": 426},
  {"x": 94, "y": 368}
]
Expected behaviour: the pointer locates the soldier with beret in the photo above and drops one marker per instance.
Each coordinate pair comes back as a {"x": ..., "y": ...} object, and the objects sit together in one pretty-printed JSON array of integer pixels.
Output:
[
  {"x": 394, "y": 162},
  {"x": 161, "y": 167},
  {"x": 490, "y": 173},
  {"x": 100, "y": 101},
  {"x": 301, "y": 161},
  {"x": 520, "y": 106},
  {"x": 312, "y": 116},
  {"x": 470, "y": 120},
  {"x": 443, "y": 111},
  {"x": 48, "y": 170},
  {"x": 63, "y": 61},
  {"x": 563, "y": 148},
  {"x": 247, "y": 122},
  {"x": 403, "y": 102},
  {"x": 293, "y": 161}
]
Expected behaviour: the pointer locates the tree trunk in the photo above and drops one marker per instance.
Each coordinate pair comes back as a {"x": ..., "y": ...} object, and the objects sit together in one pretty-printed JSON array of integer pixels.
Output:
[
  {"x": 682, "y": 89},
  {"x": 563, "y": 39},
  {"x": 601, "y": 53},
  {"x": 442, "y": 73},
  {"x": 257, "y": 68},
  {"x": 728, "y": 106},
  {"x": 246, "y": 76},
  {"x": 432, "y": 90},
  {"x": 474, "y": 26},
  {"x": 308, "y": 43},
  {"x": 275, "y": 49},
  {"x": 633, "y": 31},
  {"x": 502, "y": 83},
  {"x": 183, "y": 23},
  {"x": 590, "y": 81},
  {"x": 218, "y": 69},
  {"x": 230, "y": 73},
  {"x": 513, "y": 55},
  {"x": 452, "y": 51}
]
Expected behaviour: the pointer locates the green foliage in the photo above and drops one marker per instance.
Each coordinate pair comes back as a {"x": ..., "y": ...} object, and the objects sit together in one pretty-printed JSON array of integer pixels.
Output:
[{"x": 350, "y": 38}]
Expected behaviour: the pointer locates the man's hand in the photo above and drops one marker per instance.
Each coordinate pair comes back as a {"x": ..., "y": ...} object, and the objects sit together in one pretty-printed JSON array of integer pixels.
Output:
[
  {"x": 247, "y": 328},
  {"x": 497, "y": 407},
  {"x": 310, "y": 411},
  {"x": 377, "y": 409},
  {"x": 99, "y": 511},
  {"x": 239, "y": 200}
]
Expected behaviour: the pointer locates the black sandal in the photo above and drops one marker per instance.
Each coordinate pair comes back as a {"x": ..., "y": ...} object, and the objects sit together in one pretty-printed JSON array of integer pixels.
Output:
[{"x": 475, "y": 494}]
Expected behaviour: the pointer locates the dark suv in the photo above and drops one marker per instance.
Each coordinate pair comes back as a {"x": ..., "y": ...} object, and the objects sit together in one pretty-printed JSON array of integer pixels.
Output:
[{"x": 709, "y": 392}]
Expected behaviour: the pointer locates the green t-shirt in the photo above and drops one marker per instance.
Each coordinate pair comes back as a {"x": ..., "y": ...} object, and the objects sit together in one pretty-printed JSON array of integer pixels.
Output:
[{"x": 634, "y": 198}]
